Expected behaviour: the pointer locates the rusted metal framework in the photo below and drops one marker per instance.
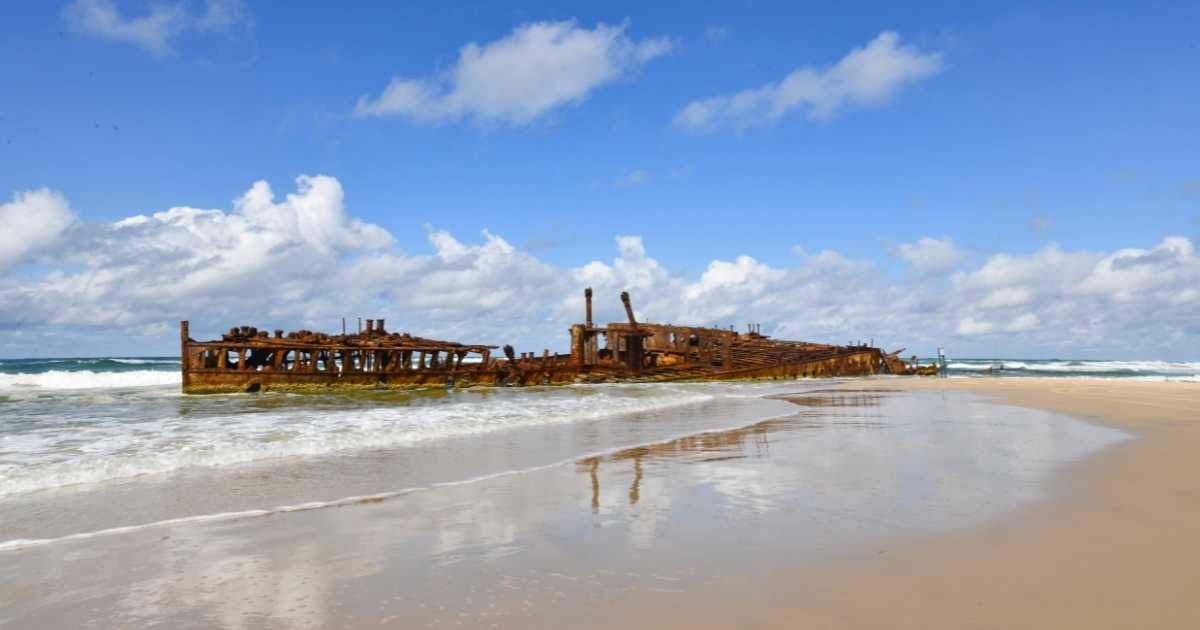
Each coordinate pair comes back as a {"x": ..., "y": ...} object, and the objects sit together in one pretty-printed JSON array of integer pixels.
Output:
[
  {"x": 247, "y": 359},
  {"x": 660, "y": 352}
]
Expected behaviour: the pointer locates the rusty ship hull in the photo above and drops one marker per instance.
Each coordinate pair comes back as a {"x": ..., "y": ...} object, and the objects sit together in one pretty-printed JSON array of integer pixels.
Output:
[{"x": 247, "y": 359}]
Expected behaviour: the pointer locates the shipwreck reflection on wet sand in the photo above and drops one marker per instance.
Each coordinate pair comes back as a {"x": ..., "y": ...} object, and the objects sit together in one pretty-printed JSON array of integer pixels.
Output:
[{"x": 730, "y": 444}]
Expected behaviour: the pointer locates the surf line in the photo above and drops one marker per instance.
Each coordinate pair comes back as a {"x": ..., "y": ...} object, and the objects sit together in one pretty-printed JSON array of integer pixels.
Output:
[{"x": 25, "y": 543}]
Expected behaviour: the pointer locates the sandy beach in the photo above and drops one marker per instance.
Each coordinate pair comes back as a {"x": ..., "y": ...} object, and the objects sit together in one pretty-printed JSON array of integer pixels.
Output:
[
  {"x": 1117, "y": 547},
  {"x": 885, "y": 503}
]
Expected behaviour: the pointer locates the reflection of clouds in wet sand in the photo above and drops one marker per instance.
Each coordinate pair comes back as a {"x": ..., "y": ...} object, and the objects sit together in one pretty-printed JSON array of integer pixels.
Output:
[
  {"x": 864, "y": 465},
  {"x": 297, "y": 572},
  {"x": 226, "y": 580}
]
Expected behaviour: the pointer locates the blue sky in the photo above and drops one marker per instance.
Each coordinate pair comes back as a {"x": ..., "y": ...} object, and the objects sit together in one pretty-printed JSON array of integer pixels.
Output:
[{"x": 1013, "y": 130}]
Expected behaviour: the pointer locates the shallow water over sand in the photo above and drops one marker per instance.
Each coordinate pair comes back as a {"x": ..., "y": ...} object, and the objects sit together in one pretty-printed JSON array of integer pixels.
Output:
[
  {"x": 131, "y": 457},
  {"x": 543, "y": 524}
]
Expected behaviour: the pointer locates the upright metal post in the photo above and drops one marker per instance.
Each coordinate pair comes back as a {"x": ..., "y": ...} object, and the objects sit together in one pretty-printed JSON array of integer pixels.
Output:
[
  {"x": 183, "y": 353},
  {"x": 587, "y": 299}
]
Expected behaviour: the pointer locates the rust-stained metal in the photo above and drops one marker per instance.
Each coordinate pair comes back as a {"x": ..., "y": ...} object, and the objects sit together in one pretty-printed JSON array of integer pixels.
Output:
[
  {"x": 587, "y": 298},
  {"x": 247, "y": 359}
]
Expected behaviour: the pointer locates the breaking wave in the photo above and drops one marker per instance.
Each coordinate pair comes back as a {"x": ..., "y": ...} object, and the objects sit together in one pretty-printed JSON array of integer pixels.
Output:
[
  {"x": 67, "y": 453},
  {"x": 1141, "y": 370},
  {"x": 87, "y": 379},
  {"x": 22, "y": 543}
]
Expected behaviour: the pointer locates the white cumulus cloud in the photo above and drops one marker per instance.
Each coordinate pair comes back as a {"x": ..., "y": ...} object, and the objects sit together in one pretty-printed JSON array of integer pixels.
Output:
[
  {"x": 931, "y": 254},
  {"x": 971, "y": 326},
  {"x": 515, "y": 79},
  {"x": 1007, "y": 296},
  {"x": 869, "y": 75},
  {"x": 258, "y": 258},
  {"x": 33, "y": 220},
  {"x": 1131, "y": 273},
  {"x": 304, "y": 259},
  {"x": 1022, "y": 323},
  {"x": 1131, "y": 299}
]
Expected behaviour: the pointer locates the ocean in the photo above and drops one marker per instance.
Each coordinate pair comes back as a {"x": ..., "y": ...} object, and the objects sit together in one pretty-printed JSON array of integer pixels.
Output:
[
  {"x": 92, "y": 444},
  {"x": 1068, "y": 368}
]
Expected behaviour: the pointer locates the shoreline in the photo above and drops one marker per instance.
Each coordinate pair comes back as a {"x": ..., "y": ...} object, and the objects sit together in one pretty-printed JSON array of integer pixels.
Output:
[
  {"x": 18, "y": 544},
  {"x": 862, "y": 509},
  {"x": 1113, "y": 546}
]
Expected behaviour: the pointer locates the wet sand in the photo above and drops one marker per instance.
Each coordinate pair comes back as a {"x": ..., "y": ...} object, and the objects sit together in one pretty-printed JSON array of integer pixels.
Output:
[
  {"x": 1117, "y": 547},
  {"x": 871, "y": 508}
]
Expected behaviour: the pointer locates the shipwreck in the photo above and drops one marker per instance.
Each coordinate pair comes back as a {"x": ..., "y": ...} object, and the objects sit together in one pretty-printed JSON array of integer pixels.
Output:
[{"x": 248, "y": 359}]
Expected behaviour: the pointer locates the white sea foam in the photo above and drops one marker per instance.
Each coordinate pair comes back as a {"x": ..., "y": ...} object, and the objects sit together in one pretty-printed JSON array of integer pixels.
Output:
[
  {"x": 1163, "y": 368},
  {"x": 22, "y": 543},
  {"x": 87, "y": 379},
  {"x": 114, "y": 448}
]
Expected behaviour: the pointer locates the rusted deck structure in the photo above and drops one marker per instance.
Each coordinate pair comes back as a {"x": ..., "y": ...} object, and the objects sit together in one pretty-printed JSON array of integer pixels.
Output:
[{"x": 248, "y": 359}]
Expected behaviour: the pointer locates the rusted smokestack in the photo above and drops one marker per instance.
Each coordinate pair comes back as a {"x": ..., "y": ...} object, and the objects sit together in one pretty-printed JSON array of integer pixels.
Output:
[
  {"x": 379, "y": 327},
  {"x": 587, "y": 300},
  {"x": 628, "y": 308},
  {"x": 185, "y": 360},
  {"x": 370, "y": 327}
]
